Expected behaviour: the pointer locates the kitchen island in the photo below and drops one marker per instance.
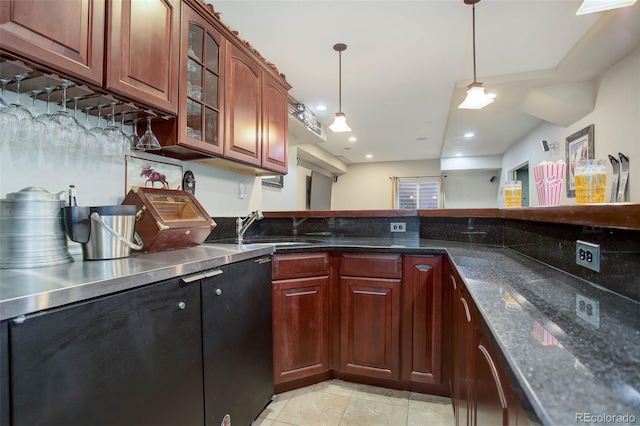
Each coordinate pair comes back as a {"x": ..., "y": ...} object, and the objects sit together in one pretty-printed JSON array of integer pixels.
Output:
[{"x": 561, "y": 367}]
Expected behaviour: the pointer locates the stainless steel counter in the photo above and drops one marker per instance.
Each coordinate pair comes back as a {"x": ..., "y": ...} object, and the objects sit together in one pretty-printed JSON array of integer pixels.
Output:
[{"x": 24, "y": 291}]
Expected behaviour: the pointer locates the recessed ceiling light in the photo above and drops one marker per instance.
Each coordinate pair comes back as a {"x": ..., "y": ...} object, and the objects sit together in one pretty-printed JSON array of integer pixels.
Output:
[
  {"x": 469, "y": 135},
  {"x": 352, "y": 139},
  {"x": 321, "y": 108},
  {"x": 458, "y": 155},
  {"x": 369, "y": 156}
]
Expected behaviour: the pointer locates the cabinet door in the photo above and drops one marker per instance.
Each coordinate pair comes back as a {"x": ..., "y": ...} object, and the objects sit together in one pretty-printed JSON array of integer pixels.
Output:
[
  {"x": 67, "y": 36},
  {"x": 237, "y": 342},
  {"x": 242, "y": 140},
  {"x": 4, "y": 373},
  {"x": 300, "y": 327},
  {"x": 134, "y": 358},
  {"x": 370, "y": 327},
  {"x": 463, "y": 351},
  {"x": 201, "y": 84},
  {"x": 491, "y": 407},
  {"x": 142, "y": 51},
  {"x": 275, "y": 122},
  {"x": 422, "y": 319}
]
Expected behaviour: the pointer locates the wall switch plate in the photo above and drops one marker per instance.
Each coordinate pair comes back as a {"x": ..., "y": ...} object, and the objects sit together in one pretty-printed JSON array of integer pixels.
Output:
[
  {"x": 398, "y": 227},
  {"x": 588, "y": 309},
  {"x": 588, "y": 255}
]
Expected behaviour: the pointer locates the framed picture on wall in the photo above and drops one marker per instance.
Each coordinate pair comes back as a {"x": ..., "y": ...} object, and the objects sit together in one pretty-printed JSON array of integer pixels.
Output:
[
  {"x": 152, "y": 174},
  {"x": 579, "y": 146}
]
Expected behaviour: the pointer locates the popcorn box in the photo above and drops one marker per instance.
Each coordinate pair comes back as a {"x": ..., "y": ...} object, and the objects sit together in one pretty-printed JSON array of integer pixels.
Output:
[{"x": 549, "y": 179}]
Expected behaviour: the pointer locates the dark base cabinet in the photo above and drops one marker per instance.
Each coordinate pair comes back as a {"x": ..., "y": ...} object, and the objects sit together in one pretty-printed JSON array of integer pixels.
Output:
[
  {"x": 481, "y": 392},
  {"x": 237, "y": 342},
  {"x": 134, "y": 358}
]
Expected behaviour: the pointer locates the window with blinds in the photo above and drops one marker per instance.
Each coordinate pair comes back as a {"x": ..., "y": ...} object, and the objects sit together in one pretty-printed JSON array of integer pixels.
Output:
[{"x": 419, "y": 193}]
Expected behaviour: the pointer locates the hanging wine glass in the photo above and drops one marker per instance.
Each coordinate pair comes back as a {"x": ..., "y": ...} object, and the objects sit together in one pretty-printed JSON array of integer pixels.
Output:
[
  {"x": 69, "y": 124},
  {"x": 128, "y": 139},
  {"x": 55, "y": 135},
  {"x": 97, "y": 131},
  {"x": 134, "y": 136},
  {"x": 148, "y": 141},
  {"x": 21, "y": 112},
  {"x": 8, "y": 122},
  {"x": 90, "y": 142},
  {"x": 113, "y": 135},
  {"x": 39, "y": 129}
]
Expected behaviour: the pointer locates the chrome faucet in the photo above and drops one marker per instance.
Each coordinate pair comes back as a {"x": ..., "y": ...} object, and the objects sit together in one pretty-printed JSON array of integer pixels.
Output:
[{"x": 242, "y": 224}]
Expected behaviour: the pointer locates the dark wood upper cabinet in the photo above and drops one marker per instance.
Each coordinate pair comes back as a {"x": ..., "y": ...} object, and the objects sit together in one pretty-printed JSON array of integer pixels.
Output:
[
  {"x": 242, "y": 140},
  {"x": 143, "y": 44},
  {"x": 66, "y": 36},
  {"x": 275, "y": 124},
  {"x": 199, "y": 129}
]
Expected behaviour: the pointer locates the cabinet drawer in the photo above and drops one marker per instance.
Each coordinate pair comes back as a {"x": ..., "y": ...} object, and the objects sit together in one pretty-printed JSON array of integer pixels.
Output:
[
  {"x": 300, "y": 265},
  {"x": 371, "y": 265}
]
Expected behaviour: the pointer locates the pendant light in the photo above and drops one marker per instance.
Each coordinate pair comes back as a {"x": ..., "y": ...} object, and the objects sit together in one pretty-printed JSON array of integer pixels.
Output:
[
  {"x": 340, "y": 121},
  {"x": 476, "y": 98},
  {"x": 593, "y": 6}
]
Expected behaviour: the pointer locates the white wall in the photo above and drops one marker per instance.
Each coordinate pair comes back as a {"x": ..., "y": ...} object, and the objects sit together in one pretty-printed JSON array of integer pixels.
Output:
[
  {"x": 616, "y": 120},
  {"x": 472, "y": 188},
  {"x": 367, "y": 185}
]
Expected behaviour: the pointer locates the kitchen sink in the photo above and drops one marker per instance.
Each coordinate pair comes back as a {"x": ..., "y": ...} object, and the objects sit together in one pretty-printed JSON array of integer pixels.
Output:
[{"x": 282, "y": 241}]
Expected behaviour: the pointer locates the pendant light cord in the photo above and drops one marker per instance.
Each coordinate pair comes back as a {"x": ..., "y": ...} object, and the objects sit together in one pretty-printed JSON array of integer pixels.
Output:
[
  {"x": 339, "y": 81},
  {"x": 473, "y": 14}
]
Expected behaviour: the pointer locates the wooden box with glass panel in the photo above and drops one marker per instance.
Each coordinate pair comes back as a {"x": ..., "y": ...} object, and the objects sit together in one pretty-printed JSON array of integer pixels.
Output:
[{"x": 169, "y": 219}]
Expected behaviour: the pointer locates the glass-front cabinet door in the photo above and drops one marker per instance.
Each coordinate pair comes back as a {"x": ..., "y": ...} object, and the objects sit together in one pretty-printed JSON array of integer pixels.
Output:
[{"x": 201, "y": 96}]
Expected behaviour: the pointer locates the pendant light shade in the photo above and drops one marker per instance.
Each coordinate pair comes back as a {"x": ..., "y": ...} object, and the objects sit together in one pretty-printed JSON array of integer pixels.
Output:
[
  {"x": 476, "y": 97},
  {"x": 593, "y": 6},
  {"x": 340, "y": 121}
]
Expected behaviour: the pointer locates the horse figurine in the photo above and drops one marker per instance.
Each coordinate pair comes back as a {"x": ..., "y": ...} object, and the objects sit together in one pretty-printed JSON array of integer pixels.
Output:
[{"x": 153, "y": 177}]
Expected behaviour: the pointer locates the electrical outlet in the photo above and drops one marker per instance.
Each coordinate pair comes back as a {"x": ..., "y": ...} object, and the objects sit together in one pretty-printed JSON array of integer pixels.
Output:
[
  {"x": 398, "y": 227},
  {"x": 588, "y": 255},
  {"x": 588, "y": 309}
]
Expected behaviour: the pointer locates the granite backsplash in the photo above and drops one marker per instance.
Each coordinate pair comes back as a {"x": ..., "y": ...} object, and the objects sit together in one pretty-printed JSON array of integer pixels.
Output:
[{"x": 550, "y": 243}]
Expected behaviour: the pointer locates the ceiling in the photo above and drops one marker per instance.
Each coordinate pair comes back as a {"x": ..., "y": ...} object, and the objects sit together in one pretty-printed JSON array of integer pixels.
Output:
[{"x": 408, "y": 63}]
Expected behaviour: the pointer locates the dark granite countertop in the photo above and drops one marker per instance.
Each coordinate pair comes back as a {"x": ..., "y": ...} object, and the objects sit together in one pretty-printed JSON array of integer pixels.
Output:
[{"x": 563, "y": 364}]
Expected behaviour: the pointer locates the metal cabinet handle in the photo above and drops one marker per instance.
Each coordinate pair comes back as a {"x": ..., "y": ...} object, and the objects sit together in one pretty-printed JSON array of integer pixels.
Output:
[
  {"x": 218, "y": 292},
  {"x": 213, "y": 273},
  {"x": 182, "y": 305}
]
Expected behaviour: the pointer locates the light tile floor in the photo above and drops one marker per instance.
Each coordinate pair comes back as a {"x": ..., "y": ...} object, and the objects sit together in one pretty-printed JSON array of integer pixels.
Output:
[{"x": 339, "y": 403}]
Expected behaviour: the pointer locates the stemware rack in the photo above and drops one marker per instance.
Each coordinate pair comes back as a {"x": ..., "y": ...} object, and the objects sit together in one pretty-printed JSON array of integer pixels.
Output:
[{"x": 88, "y": 97}]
